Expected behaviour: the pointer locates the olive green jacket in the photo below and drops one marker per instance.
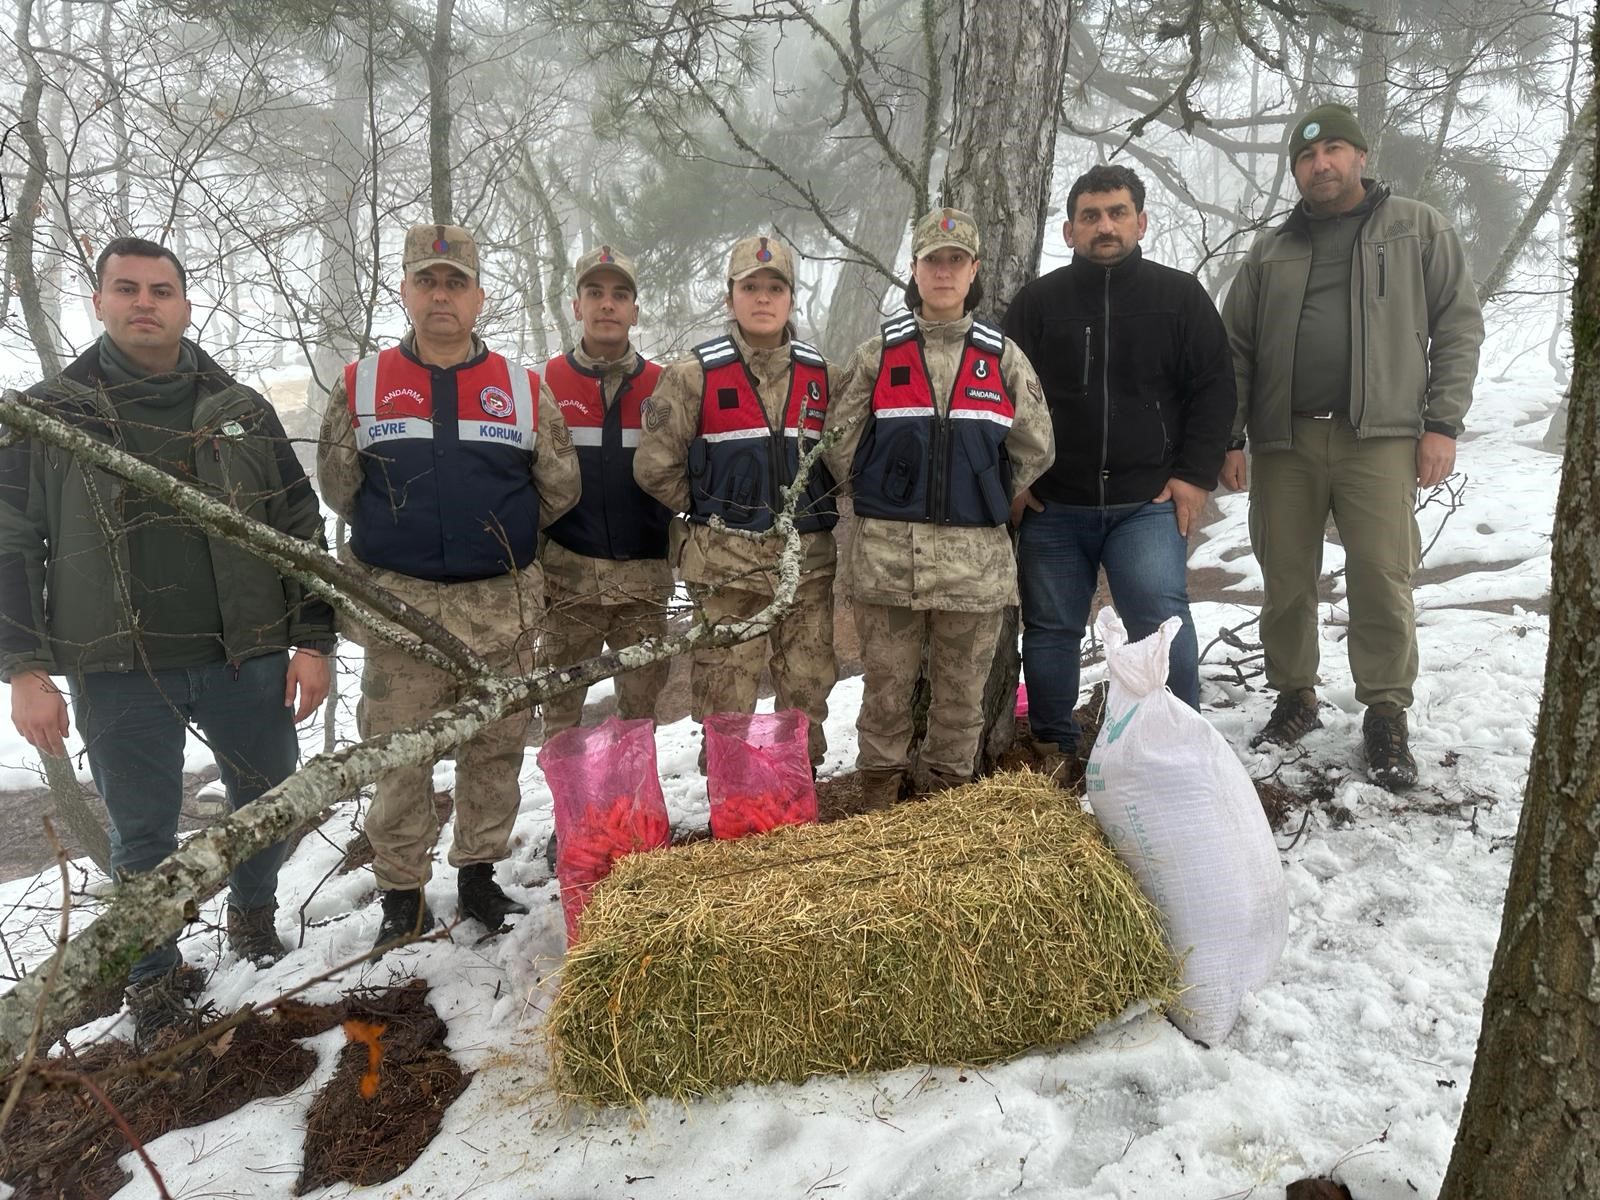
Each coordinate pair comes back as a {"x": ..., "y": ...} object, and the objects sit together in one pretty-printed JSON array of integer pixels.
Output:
[
  {"x": 1415, "y": 326},
  {"x": 61, "y": 576}
]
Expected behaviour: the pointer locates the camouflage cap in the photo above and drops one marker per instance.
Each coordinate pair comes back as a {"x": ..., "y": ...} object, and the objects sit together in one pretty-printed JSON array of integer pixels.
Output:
[
  {"x": 434, "y": 245},
  {"x": 760, "y": 253},
  {"x": 945, "y": 227},
  {"x": 607, "y": 258}
]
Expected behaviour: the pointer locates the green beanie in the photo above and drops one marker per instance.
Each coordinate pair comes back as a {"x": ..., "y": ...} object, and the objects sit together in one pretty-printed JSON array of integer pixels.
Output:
[{"x": 1325, "y": 121}]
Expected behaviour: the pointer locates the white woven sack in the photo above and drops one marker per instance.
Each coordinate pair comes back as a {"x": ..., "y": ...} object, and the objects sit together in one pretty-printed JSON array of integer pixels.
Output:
[{"x": 1182, "y": 813}]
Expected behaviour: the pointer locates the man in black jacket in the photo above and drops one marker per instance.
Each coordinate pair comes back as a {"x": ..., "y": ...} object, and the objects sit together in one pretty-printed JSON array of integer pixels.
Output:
[{"x": 1136, "y": 369}]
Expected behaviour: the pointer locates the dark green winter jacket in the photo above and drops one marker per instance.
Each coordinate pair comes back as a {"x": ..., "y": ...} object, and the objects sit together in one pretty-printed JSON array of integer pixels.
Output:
[
  {"x": 1415, "y": 325},
  {"x": 61, "y": 577}
]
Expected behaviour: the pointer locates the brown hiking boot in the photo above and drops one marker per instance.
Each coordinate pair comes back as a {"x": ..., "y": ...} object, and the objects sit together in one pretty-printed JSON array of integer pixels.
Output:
[
  {"x": 1386, "y": 739},
  {"x": 942, "y": 781},
  {"x": 253, "y": 934},
  {"x": 1294, "y": 716},
  {"x": 1054, "y": 760},
  {"x": 881, "y": 788}
]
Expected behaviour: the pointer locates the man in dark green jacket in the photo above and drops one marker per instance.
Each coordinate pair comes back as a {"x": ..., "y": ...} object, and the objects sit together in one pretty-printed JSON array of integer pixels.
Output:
[
  {"x": 156, "y": 624},
  {"x": 1355, "y": 331}
]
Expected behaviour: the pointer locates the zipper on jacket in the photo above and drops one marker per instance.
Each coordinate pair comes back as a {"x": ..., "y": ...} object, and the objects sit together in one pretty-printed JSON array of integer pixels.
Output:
[
  {"x": 778, "y": 474},
  {"x": 1361, "y": 261},
  {"x": 1105, "y": 390},
  {"x": 1383, "y": 273},
  {"x": 1088, "y": 330},
  {"x": 938, "y": 468}
]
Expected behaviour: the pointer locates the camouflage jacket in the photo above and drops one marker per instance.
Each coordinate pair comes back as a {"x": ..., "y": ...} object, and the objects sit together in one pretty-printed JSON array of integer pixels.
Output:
[
  {"x": 605, "y": 580},
  {"x": 911, "y": 564},
  {"x": 708, "y": 556},
  {"x": 340, "y": 475}
]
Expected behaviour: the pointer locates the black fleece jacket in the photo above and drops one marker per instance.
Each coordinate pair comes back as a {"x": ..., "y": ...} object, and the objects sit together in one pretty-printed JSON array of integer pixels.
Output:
[{"x": 1136, "y": 369}]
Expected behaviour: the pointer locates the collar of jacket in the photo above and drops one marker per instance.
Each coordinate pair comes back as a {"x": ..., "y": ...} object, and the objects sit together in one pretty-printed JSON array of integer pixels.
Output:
[
  {"x": 631, "y": 362},
  {"x": 1299, "y": 222},
  {"x": 408, "y": 347},
  {"x": 1086, "y": 270},
  {"x": 944, "y": 331},
  {"x": 85, "y": 369}
]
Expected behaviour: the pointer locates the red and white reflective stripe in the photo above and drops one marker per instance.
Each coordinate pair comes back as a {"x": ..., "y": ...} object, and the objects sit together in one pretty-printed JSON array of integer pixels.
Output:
[
  {"x": 905, "y": 410},
  {"x": 978, "y": 414},
  {"x": 733, "y": 435},
  {"x": 370, "y": 428}
]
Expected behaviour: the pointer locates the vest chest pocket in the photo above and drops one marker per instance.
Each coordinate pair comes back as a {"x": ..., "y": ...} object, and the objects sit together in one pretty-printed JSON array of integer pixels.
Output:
[{"x": 905, "y": 457}]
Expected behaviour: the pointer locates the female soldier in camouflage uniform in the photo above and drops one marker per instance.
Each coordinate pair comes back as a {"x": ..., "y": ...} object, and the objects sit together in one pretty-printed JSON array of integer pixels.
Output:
[
  {"x": 721, "y": 436},
  {"x": 943, "y": 424}
]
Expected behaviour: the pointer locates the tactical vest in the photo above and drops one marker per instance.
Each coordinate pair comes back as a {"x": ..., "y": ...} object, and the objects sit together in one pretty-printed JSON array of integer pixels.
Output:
[
  {"x": 447, "y": 462},
  {"x": 737, "y": 462},
  {"x": 614, "y": 517},
  {"x": 914, "y": 465}
]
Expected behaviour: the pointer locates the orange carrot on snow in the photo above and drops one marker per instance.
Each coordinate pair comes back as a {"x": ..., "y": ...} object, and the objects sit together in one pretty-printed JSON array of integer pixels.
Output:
[{"x": 368, "y": 1033}]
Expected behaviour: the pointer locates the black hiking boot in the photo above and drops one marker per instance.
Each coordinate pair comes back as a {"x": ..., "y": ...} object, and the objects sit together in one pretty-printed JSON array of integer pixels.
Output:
[
  {"x": 253, "y": 934},
  {"x": 1294, "y": 716},
  {"x": 159, "y": 1004},
  {"x": 481, "y": 897},
  {"x": 1386, "y": 739},
  {"x": 405, "y": 916}
]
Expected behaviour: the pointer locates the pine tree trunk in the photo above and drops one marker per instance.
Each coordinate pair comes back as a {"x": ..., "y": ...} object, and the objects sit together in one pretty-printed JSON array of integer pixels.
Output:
[
  {"x": 1531, "y": 1126},
  {"x": 1008, "y": 104}
]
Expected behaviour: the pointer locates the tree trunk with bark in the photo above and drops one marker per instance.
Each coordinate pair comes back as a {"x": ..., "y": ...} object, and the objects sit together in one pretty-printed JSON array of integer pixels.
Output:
[
  {"x": 1009, "y": 80},
  {"x": 439, "y": 173},
  {"x": 20, "y": 267},
  {"x": 1531, "y": 1126}
]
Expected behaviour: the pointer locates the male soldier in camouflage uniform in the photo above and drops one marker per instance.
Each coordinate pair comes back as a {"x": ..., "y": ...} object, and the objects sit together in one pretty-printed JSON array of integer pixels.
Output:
[
  {"x": 445, "y": 459},
  {"x": 678, "y": 463},
  {"x": 606, "y": 576},
  {"x": 944, "y": 424}
]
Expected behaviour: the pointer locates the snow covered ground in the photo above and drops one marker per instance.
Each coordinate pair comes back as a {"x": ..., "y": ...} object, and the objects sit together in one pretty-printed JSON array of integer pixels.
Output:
[{"x": 1353, "y": 1061}]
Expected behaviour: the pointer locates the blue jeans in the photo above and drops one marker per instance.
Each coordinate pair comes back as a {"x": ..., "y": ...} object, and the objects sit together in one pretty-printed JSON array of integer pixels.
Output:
[
  {"x": 134, "y": 724},
  {"x": 1059, "y": 555}
]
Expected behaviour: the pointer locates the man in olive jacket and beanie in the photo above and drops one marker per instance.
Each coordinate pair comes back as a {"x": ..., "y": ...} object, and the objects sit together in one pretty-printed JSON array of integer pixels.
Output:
[
  {"x": 156, "y": 623},
  {"x": 1355, "y": 331}
]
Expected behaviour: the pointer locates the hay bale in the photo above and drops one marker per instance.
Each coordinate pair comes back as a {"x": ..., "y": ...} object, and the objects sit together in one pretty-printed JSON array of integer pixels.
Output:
[{"x": 962, "y": 929}]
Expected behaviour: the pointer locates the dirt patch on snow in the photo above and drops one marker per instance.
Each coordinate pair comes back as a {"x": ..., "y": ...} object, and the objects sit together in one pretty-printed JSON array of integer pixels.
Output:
[
  {"x": 387, "y": 1096},
  {"x": 64, "y": 1142}
]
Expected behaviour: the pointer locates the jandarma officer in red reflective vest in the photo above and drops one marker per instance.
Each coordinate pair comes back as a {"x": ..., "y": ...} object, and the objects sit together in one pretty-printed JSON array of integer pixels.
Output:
[
  {"x": 943, "y": 425},
  {"x": 721, "y": 438},
  {"x": 445, "y": 459},
  {"x": 606, "y": 576}
]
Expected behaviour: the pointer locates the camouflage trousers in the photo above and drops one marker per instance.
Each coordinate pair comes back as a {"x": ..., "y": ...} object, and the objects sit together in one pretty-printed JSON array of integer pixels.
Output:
[
  {"x": 960, "y": 649},
  {"x": 577, "y": 627},
  {"x": 497, "y": 618},
  {"x": 725, "y": 679}
]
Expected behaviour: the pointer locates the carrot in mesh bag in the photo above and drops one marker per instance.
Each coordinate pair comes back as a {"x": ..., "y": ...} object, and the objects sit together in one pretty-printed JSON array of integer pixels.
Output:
[
  {"x": 608, "y": 803},
  {"x": 758, "y": 772}
]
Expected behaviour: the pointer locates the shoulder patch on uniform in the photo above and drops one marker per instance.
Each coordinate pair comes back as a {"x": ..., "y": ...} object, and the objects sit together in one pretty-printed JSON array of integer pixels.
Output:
[
  {"x": 655, "y": 414},
  {"x": 1400, "y": 225},
  {"x": 807, "y": 353},
  {"x": 899, "y": 329},
  {"x": 988, "y": 336},
  {"x": 716, "y": 352}
]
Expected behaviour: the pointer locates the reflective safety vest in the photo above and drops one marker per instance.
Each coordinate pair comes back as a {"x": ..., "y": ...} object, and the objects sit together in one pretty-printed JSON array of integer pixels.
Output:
[
  {"x": 913, "y": 464},
  {"x": 447, "y": 462},
  {"x": 614, "y": 518},
  {"x": 738, "y": 462}
]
